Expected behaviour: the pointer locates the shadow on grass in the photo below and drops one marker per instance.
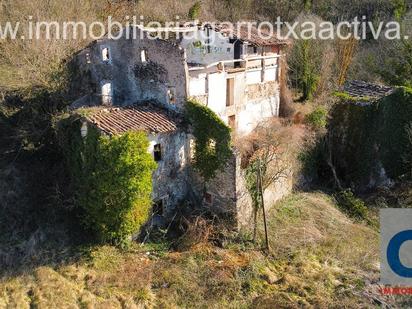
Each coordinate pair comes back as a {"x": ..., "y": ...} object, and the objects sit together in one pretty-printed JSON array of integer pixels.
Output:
[{"x": 38, "y": 222}]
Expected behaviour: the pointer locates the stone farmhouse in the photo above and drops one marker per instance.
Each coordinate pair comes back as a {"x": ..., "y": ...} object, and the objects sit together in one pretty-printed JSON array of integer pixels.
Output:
[{"x": 143, "y": 84}]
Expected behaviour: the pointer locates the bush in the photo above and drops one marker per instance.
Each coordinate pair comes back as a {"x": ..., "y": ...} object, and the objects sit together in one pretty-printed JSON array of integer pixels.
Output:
[
  {"x": 194, "y": 11},
  {"x": 112, "y": 181},
  {"x": 318, "y": 118},
  {"x": 353, "y": 206}
]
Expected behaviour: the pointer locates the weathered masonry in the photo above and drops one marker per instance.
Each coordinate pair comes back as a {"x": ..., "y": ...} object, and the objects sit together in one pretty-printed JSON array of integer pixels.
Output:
[
  {"x": 144, "y": 83},
  {"x": 236, "y": 74},
  {"x": 237, "y": 77}
]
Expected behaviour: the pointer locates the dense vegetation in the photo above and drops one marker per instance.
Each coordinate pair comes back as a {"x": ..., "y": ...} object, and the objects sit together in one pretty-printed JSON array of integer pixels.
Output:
[
  {"x": 111, "y": 178},
  {"x": 363, "y": 139},
  {"x": 212, "y": 139}
]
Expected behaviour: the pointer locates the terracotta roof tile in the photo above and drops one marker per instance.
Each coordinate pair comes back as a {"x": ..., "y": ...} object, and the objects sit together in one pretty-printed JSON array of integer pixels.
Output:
[{"x": 149, "y": 118}]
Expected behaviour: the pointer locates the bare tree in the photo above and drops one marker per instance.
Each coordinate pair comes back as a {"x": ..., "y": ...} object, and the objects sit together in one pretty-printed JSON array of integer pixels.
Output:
[{"x": 269, "y": 157}]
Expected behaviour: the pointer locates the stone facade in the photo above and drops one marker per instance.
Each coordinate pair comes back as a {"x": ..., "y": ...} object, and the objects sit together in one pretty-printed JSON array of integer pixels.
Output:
[
  {"x": 242, "y": 87},
  {"x": 138, "y": 70},
  {"x": 172, "y": 175}
]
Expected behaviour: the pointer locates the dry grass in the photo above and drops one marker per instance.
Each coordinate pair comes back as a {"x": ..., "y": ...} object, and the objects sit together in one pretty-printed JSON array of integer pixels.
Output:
[
  {"x": 320, "y": 259},
  {"x": 323, "y": 258}
]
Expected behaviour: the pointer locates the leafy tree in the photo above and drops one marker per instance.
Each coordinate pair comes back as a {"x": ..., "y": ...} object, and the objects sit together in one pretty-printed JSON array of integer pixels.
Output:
[
  {"x": 307, "y": 60},
  {"x": 305, "y": 69}
]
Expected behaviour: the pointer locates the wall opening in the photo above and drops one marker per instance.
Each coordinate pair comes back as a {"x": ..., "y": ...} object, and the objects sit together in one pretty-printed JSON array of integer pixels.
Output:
[
  {"x": 158, "y": 208},
  {"x": 106, "y": 54},
  {"x": 230, "y": 91},
  {"x": 107, "y": 93},
  {"x": 237, "y": 52},
  {"x": 171, "y": 95},
  {"x": 157, "y": 152},
  {"x": 208, "y": 198},
  {"x": 143, "y": 55},
  {"x": 251, "y": 49}
]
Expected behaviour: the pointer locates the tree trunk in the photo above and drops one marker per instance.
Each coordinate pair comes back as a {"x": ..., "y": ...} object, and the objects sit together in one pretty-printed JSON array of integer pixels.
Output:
[
  {"x": 254, "y": 222},
  {"x": 260, "y": 188}
]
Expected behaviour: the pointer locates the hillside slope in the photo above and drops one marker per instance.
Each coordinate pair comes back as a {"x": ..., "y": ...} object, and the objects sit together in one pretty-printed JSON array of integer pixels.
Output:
[{"x": 319, "y": 258}]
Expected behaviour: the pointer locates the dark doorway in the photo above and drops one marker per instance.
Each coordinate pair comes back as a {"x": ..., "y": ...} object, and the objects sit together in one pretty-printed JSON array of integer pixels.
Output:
[
  {"x": 158, "y": 208},
  {"x": 238, "y": 52}
]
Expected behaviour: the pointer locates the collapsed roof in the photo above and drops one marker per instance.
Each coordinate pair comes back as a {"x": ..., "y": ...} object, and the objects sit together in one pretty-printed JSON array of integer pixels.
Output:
[
  {"x": 244, "y": 32},
  {"x": 364, "y": 90},
  {"x": 251, "y": 34}
]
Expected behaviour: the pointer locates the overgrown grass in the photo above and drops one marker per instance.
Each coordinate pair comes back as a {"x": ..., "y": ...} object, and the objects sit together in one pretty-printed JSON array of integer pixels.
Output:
[{"x": 319, "y": 258}]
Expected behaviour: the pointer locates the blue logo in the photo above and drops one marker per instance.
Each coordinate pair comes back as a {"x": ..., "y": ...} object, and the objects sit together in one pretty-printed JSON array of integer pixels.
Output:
[
  {"x": 392, "y": 254},
  {"x": 396, "y": 247}
]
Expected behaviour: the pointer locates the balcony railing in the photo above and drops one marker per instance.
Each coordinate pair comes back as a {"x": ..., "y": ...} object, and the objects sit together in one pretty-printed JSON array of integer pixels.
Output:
[{"x": 250, "y": 63}]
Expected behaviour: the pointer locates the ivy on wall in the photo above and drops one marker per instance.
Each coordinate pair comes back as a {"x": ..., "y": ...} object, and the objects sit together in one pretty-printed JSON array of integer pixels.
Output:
[
  {"x": 364, "y": 136},
  {"x": 212, "y": 137},
  {"x": 394, "y": 118},
  {"x": 111, "y": 179}
]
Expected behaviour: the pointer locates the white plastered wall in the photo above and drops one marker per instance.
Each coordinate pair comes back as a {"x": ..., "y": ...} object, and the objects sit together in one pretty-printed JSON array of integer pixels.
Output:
[{"x": 198, "y": 52}]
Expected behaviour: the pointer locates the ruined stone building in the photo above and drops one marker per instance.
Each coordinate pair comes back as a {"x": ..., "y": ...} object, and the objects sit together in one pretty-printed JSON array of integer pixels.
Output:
[{"x": 143, "y": 84}]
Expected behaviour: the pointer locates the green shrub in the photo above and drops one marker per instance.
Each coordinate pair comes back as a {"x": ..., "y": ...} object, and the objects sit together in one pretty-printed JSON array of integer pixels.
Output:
[
  {"x": 213, "y": 140},
  {"x": 194, "y": 11},
  {"x": 353, "y": 206},
  {"x": 112, "y": 181},
  {"x": 348, "y": 98},
  {"x": 318, "y": 118}
]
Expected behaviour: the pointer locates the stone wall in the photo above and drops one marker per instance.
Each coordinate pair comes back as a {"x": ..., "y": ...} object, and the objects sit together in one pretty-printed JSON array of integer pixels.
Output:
[
  {"x": 230, "y": 194},
  {"x": 171, "y": 178},
  {"x": 253, "y": 103},
  {"x": 138, "y": 69}
]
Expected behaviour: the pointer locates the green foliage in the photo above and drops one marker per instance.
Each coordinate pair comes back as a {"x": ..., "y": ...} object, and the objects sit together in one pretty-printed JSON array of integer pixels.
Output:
[
  {"x": 309, "y": 78},
  {"x": 251, "y": 183},
  {"x": 352, "y": 205},
  {"x": 194, "y": 11},
  {"x": 399, "y": 9},
  {"x": 212, "y": 136},
  {"x": 348, "y": 98},
  {"x": 111, "y": 178},
  {"x": 307, "y": 4},
  {"x": 365, "y": 138},
  {"x": 394, "y": 116},
  {"x": 397, "y": 69},
  {"x": 305, "y": 67},
  {"x": 318, "y": 118},
  {"x": 352, "y": 140}
]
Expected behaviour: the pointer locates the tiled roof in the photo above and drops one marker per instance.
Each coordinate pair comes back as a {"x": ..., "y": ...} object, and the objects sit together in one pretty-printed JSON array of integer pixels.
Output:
[
  {"x": 360, "y": 89},
  {"x": 252, "y": 36},
  {"x": 148, "y": 118}
]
